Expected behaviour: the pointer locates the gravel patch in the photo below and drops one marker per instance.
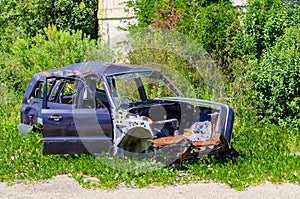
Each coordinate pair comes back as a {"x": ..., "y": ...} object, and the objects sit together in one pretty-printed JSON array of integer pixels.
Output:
[{"x": 65, "y": 187}]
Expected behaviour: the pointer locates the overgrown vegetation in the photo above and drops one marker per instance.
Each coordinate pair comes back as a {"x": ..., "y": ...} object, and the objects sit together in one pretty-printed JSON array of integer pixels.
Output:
[
  {"x": 275, "y": 80},
  {"x": 212, "y": 24},
  {"x": 258, "y": 50},
  {"x": 25, "y": 19},
  {"x": 45, "y": 51}
]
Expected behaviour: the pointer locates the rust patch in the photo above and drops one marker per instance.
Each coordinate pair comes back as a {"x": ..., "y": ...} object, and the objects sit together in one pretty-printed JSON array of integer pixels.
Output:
[
  {"x": 61, "y": 73},
  {"x": 88, "y": 73},
  {"x": 45, "y": 73},
  {"x": 188, "y": 132},
  {"x": 215, "y": 140},
  {"x": 214, "y": 120},
  {"x": 168, "y": 140}
]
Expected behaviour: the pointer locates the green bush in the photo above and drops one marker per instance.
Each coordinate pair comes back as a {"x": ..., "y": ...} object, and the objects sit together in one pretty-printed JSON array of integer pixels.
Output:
[
  {"x": 275, "y": 79},
  {"x": 52, "y": 50},
  {"x": 75, "y": 15},
  {"x": 263, "y": 22},
  {"x": 212, "y": 24},
  {"x": 263, "y": 52},
  {"x": 27, "y": 18}
]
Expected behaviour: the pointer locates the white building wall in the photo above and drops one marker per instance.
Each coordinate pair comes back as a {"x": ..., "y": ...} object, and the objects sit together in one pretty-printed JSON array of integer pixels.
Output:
[{"x": 112, "y": 20}]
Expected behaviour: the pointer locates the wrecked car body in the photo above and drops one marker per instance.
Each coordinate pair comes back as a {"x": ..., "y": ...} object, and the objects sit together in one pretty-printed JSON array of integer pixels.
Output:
[{"x": 124, "y": 110}]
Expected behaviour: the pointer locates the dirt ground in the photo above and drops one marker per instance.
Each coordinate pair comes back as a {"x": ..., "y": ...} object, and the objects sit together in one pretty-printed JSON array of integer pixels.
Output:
[{"x": 65, "y": 187}]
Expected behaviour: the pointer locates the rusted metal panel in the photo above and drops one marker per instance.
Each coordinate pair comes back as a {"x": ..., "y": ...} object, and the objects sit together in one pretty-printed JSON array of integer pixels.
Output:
[
  {"x": 215, "y": 140},
  {"x": 168, "y": 140}
]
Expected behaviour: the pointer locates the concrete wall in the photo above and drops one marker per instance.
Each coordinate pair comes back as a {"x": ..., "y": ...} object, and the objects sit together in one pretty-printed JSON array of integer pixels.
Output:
[
  {"x": 239, "y": 2},
  {"x": 112, "y": 19}
]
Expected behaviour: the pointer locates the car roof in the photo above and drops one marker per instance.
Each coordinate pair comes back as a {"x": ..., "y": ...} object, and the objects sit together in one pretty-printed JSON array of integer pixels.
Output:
[
  {"x": 98, "y": 68},
  {"x": 81, "y": 69}
]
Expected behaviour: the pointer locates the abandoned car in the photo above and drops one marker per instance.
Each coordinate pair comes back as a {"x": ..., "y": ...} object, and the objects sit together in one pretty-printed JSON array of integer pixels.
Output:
[{"x": 124, "y": 110}]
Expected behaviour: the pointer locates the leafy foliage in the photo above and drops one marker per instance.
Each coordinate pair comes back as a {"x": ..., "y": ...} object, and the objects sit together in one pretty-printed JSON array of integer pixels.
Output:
[
  {"x": 267, "y": 55},
  {"x": 76, "y": 15},
  {"x": 267, "y": 46},
  {"x": 263, "y": 22},
  {"x": 20, "y": 19},
  {"x": 45, "y": 51},
  {"x": 275, "y": 79},
  {"x": 211, "y": 23}
]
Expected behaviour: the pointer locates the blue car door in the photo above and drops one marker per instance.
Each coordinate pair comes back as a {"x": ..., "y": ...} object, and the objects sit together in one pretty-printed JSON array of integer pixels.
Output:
[{"x": 73, "y": 120}]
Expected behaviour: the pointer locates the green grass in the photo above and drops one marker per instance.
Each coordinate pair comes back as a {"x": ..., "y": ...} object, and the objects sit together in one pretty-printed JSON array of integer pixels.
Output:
[{"x": 265, "y": 156}]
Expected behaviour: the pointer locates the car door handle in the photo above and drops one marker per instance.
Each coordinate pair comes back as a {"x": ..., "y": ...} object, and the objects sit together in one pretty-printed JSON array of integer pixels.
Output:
[{"x": 55, "y": 117}]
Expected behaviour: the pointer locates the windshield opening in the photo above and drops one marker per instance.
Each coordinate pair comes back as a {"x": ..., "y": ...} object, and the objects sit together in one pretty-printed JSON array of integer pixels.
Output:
[{"x": 140, "y": 86}]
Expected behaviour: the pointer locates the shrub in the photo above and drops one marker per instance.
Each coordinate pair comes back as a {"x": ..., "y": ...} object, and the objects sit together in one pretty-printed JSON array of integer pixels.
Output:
[
  {"x": 275, "y": 79},
  {"x": 29, "y": 17},
  {"x": 52, "y": 50},
  {"x": 257, "y": 47},
  {"x": 210, "y": 23},
  {"x": 263, "y": 22}
]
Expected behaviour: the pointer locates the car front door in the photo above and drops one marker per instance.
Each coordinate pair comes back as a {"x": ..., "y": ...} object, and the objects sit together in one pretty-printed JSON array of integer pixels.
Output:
[{"x": 73, "y": 123}]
